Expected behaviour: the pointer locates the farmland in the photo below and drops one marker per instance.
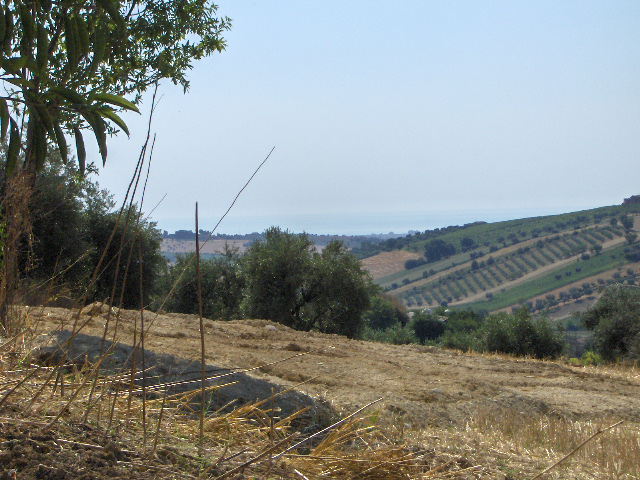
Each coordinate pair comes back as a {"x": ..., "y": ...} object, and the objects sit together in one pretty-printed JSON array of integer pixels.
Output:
[{"x": 509, "y": 263}]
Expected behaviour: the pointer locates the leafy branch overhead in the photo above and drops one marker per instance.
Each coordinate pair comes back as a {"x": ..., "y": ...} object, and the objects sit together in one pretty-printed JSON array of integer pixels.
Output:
[{"x": 72, "y": 65}]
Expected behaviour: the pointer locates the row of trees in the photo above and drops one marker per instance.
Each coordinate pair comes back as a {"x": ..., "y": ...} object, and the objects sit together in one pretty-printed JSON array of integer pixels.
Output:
[
  {"x": 516, "y": 333},
  {"x": 281, "y": 278}
]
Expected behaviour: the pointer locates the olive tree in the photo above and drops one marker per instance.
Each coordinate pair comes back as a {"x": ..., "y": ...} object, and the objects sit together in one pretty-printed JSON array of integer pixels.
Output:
[
  {"x": 615, "y": 322},
  {"x": 221, "y": 286},
  {"x": 286, "y": 280}
]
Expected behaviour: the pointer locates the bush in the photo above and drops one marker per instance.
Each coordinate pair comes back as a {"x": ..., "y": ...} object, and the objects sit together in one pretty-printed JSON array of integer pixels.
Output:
[
  {"x": 438, "y": 249},
  {"x": 426, "y": 327},
  {"x": 414, "y": 263},
  {"x": 397, "y": 335},
  {"x": 615, "y": 322},
  {"x": 519, "y": 334},
  {"x": 457, "y": 340},
  {"x": 385, "y": 312},
  {"x": 221, "y": 285}
]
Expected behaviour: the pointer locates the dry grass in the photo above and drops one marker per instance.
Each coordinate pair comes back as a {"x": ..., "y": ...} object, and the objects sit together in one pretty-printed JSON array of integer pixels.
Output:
[
  {"x": 614, "y": 454},
  {"x": 161, "y": 439},
  {"x": 158, "y": 435}
]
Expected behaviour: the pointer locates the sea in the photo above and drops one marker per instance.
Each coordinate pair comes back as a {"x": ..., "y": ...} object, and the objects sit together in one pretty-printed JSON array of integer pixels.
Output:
[{"x": 369, "y": 223}]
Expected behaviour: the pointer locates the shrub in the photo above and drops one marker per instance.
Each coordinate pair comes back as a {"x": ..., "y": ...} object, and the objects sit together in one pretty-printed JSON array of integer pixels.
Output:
[
  {"x": 221, "y": 282},
  {"x": 520, "y": 334},
  {"x": 397, "y": 335},
  {"x": 615, "y": 322},
  {"x": 385, "y": 312},
  {"x": 426, "y": 327},
  {"x": 414, "y": 263},
  {"x": 457, "y": 340}
]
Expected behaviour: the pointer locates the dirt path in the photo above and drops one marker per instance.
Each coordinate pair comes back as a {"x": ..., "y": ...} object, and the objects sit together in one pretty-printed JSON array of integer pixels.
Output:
[{"x": 423, "y": 385}]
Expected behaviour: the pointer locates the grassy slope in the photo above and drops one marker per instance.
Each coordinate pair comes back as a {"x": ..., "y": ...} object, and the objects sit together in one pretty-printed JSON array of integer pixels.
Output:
[
  {"x": 487, "y": 235},
  {"x": 604, "y": 262}
]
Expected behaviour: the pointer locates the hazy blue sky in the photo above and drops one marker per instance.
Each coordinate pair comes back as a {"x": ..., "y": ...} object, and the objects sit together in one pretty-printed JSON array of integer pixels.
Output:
[{"x": 388, "y": 107}]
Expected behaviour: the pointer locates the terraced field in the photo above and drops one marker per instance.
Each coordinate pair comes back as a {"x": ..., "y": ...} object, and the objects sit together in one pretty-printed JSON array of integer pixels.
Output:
[{"x": 514, "y": 273}]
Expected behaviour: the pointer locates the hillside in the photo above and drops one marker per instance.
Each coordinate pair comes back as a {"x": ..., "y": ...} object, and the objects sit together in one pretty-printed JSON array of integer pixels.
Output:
[
  {"x": 546, "y": 261},
  {"x": 460, "y": 407}
]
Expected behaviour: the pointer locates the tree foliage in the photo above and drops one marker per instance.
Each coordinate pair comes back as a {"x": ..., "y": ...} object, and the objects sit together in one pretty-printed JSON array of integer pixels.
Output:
[
  {"x": 427, "y": 327},
  {"x": 132, "y": 262},
  {"x": 519, "y": 334},
  {"x": 385, "y": 312},
  {"x": 287, "y": 281},
  {"x": 615, "y": 322},
  {"x": 69, "y": 66},
  {"x": 275, "y": 271},
  {"x": 221, "y": 284},
  {"x": 437, "y": 249},
  {"x": 71, "y": 221}
]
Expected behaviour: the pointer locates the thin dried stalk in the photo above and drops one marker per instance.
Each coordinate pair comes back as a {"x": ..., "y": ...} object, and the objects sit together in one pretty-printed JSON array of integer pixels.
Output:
[
  {"x": 575, "y": 450},
  {"x": 202, "y": 356}
]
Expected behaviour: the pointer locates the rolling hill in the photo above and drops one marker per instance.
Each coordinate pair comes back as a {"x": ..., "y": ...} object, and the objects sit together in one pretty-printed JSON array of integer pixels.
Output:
[{"x": 542, "y": 261}]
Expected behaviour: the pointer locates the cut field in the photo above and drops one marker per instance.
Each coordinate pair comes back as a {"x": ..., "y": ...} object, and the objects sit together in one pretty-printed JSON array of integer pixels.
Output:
[
  {"x": 387, "y": 262},
  {"x": 494, "y": 417}
]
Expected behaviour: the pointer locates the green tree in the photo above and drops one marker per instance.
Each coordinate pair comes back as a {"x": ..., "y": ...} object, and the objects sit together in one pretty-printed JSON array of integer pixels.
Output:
[
  {"x": 631, "y": 237},
  {"x": 437, "y": 249},
  {"x": 427, "y": 327},
  {"x": 275, "y": 270},
  {"x": 338, "y": 293},
  {"x": 222, "y": 286},
  {"x": 287, "y": 281},
  {"x": 615, "y": 322},
  {"x": 627, "y": 222},
  {"x": 68, "y": 66},
  {"x": 71, "y": 221},
  {"x": 467, "y": 243},
  {"x": 139, "y": 265},
  {"x": 519, "y": 334},
  {"x": 57, "y": 240},
  {"x": 385, "y": 311}
]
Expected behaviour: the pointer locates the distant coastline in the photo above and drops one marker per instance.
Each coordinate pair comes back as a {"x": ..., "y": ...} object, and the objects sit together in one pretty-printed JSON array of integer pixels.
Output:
[{"x": 399, "y": 223}]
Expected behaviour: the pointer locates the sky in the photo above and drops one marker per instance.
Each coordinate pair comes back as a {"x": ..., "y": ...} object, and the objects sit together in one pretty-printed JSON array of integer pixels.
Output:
[{"x": 430, "y": 111}]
